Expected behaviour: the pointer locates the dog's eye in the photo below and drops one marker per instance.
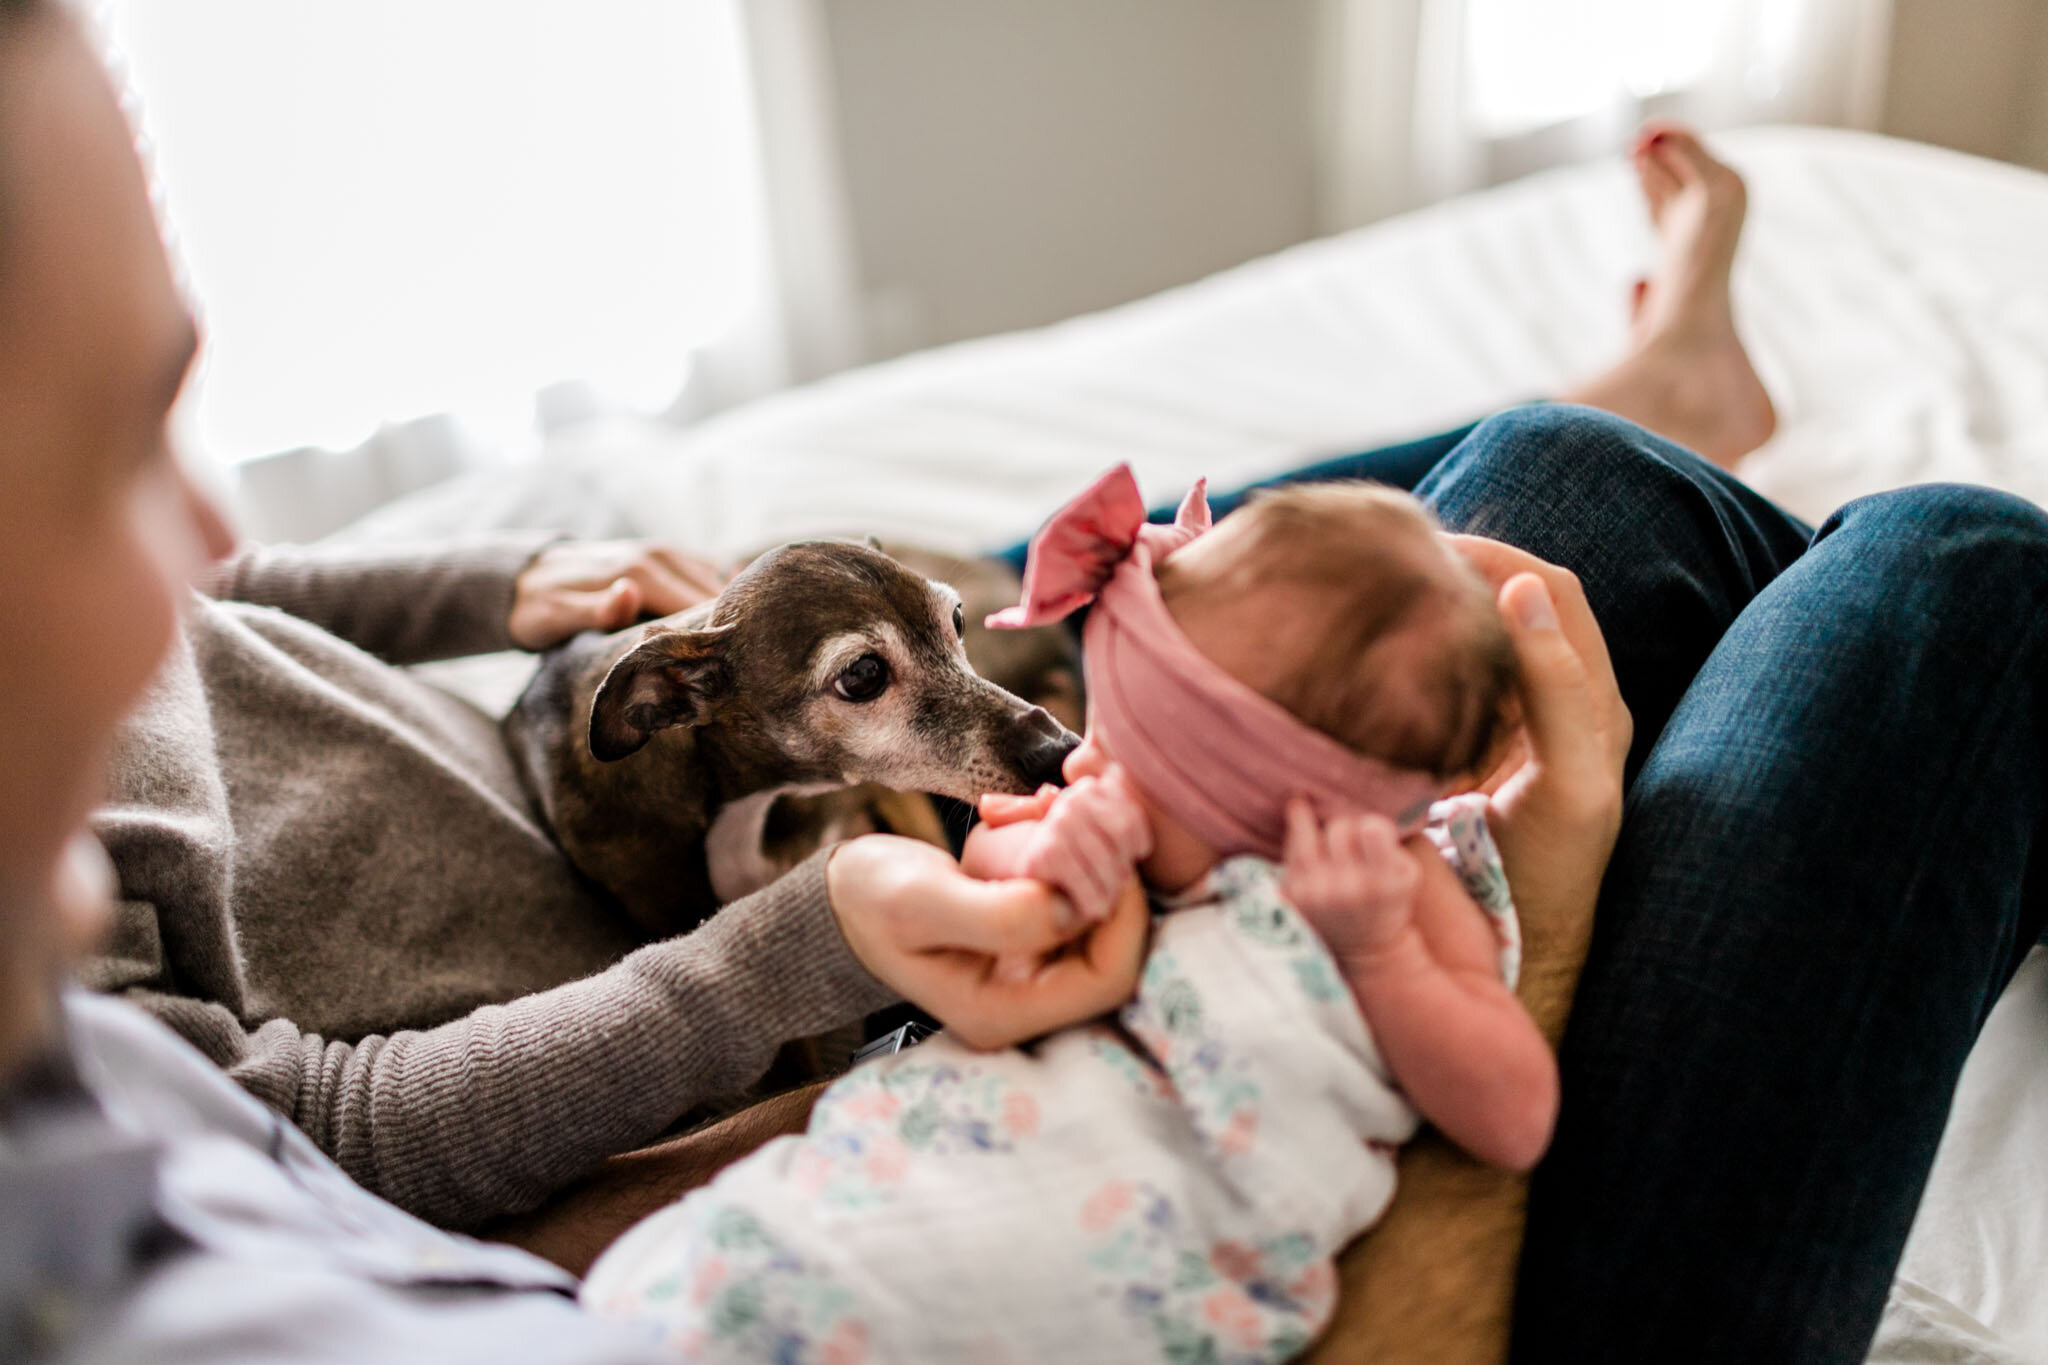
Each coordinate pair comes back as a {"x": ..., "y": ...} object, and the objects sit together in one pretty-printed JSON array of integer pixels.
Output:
[
  {"x": 959, "y": 620},
  {"x": 863, "y": 679}
]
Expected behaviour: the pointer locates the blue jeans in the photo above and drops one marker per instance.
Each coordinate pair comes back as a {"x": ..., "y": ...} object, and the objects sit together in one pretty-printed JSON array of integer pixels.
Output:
[{"x": 1824, "y": 879}]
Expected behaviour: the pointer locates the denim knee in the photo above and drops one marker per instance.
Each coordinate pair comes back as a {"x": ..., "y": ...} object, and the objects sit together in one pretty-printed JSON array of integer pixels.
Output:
[
  {"x": 1528, "y": 465},
  {"x": 1968, "y": 539}
]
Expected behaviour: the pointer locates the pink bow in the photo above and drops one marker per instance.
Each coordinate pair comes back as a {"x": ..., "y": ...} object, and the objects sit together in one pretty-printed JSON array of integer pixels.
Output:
[{"x": 1080, "y": 548}]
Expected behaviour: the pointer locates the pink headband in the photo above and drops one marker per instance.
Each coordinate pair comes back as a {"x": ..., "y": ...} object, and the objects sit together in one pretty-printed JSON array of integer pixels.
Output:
[{"x": 1218, "y": 756}]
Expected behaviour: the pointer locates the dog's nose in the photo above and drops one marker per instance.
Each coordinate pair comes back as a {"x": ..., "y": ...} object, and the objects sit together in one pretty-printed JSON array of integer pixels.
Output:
[{"x": 1047, "y": 744}]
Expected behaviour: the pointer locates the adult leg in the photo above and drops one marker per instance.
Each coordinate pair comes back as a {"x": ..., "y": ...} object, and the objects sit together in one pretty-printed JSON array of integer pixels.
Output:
[
  {"x": 1826, "y": 875},
  {"x": 1402, "y": 466},
  {"x": 1670, "y": 550},
  {"x": 1687, "y": 376},
  {"x": 1669, "y": 547}
]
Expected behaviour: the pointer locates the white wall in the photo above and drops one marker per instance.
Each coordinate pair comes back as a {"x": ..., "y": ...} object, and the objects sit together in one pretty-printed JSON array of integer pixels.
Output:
[
  {"x": 1012, "y": 162},
  {"x": 1973, "y": 75}
]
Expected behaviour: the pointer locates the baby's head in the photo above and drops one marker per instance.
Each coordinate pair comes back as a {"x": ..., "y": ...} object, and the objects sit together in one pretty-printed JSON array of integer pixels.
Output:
[{"x": 1341, "y": 603}]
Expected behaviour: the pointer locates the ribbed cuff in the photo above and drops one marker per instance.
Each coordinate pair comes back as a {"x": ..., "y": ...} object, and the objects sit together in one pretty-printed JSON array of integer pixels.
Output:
[{"x": 788, "y": 973}]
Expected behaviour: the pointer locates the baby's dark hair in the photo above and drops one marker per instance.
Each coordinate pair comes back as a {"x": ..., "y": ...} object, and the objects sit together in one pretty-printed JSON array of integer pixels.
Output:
[{"x": 1372, "y": 557}]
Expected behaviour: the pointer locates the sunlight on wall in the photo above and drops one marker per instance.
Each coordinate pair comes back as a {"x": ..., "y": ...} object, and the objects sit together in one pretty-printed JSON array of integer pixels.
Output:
[{"x": 390, "y": 208}]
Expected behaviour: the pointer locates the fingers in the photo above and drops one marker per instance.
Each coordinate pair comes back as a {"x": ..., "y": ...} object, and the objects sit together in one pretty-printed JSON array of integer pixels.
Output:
[
  {"x": 1003, "y": 808},
  {"x": 894, "y": 897},
  {"x": 672, "y": 581},
  {"x": 549, "y": 618},
  {"x": 980, "y": 955},
  {"x": 1092, "y": 837},
  {"x": 1302, "y": 848},
  {"x": 1557, "y": 695},
  {"x": 1076, "y": 856},
  {"x": 698, "y": 576},
  {"x": 1497, "y": 563},
  {"x": 621, "y": 606},
  {"x": 1575, "y": 728},
  {"x": 1124, "y": 814},
  {"x": 1085, "y": 840},
  {"x": 604, "y": 585},
  {"x": 663, "y": 592},
  {"x": 1362, "y": 840}
]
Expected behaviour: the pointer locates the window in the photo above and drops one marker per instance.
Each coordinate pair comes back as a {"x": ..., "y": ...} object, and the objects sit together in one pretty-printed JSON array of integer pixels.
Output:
[{"x": 389, "y": 208}]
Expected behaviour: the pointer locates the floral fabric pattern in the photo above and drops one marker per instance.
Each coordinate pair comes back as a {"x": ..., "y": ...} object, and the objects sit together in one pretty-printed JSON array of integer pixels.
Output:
[{"x": 1170, "y": 1186}]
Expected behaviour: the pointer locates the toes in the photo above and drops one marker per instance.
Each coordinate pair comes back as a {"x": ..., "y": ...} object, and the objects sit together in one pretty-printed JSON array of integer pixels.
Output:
[
  {"x": 1687, "y": 158},
  {"x": 1652, "y": 131},
  {"x": 1657, "y": 181},
  {"x": 1684, "y": 165}
]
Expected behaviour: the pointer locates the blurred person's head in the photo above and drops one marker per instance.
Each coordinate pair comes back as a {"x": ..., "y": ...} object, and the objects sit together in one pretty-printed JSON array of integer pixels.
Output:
[{"x": 99, "y": 528}]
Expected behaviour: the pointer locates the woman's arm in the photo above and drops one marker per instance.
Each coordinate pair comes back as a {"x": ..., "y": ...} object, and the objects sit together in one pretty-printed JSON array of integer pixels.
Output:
[
  {"x": 944, "y": 939},
  {"x": 516, "y": 590},
  {"x": 488, "y": 1114},
  {"x": 403, "y": 603}
]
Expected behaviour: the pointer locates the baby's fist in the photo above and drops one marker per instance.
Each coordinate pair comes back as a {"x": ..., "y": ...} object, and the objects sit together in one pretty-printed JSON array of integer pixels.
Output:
[{"x": 1350, "y": 878}]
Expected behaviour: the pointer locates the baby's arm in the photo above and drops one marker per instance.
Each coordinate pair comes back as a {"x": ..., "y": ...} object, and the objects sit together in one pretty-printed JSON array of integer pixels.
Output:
[{"x": 1424, "y": 966}]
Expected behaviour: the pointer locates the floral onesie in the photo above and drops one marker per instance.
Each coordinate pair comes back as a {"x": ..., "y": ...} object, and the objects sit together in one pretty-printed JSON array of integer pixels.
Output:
[{"x": 1170, "y": 1185}]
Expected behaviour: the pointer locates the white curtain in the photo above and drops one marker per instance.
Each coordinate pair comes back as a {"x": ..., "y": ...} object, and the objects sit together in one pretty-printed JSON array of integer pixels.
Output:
[
  {"x": 1425, "y": 99},
  {"x": 422, "y": 233}
]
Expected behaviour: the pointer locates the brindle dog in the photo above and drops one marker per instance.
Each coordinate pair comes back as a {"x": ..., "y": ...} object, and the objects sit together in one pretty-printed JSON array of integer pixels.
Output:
[{"x": 822, "y": 664}]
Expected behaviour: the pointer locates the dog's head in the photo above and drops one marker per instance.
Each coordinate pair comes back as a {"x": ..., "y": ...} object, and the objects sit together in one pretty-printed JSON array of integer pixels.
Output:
[{"x": 828, "y": 662}]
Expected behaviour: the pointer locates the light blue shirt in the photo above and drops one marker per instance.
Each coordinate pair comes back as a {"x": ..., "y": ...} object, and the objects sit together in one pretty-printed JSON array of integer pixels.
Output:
[{"x": 151, "y": 1211}]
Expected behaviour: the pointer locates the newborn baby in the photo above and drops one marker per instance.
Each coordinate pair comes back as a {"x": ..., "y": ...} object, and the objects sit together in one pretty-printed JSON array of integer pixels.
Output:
[{"x": 1275, "y": 705}]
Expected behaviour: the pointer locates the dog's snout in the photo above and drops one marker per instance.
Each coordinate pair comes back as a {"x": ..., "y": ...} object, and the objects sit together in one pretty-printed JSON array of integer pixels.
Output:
[{"x": 1046, "y": 744}]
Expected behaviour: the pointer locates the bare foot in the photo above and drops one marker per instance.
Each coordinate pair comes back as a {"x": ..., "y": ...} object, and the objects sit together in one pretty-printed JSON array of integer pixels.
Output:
[{"x": 1686, "y": 376}]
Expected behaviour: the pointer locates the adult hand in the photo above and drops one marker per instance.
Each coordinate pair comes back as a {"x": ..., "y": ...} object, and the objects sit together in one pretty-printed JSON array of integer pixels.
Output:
[
  {"x": 579, "y": 585},
  {"x": 935, "y": 934},
  {"x": 1555, "y": 801}
]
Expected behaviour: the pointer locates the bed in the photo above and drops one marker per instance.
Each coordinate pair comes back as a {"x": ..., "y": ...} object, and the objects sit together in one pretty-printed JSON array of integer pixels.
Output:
[{"x": 1895, "y": 299}]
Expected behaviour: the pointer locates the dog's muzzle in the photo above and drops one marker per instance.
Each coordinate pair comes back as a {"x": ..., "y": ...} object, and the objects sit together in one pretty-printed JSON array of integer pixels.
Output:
[{"x": 1043, "y": 746}]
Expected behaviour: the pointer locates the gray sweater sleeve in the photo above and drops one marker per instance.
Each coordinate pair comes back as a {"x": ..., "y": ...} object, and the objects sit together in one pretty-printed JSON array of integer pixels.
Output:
[
  {"x": 489, "y": 1114},
  {"x": 406, "y": 604}
]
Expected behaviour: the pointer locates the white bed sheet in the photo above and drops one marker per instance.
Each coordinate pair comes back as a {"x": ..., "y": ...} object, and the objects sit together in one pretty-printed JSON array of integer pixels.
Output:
[{"x": 1895, "y": 298}]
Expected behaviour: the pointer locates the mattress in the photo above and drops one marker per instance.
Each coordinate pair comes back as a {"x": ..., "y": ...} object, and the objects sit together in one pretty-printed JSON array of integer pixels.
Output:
[{"x": 1894, "y": 298}]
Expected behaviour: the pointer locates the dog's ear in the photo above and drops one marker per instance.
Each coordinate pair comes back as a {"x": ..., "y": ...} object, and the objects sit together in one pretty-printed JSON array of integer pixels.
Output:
[{"x": 673, "y": 677}]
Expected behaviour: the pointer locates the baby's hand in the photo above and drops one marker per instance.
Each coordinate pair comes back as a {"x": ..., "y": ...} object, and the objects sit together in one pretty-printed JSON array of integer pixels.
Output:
[
  {"x": 1089, "y": 842},
  {"x": 1085, "y": 843},
  {"x": 1350, "y": 879}
]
